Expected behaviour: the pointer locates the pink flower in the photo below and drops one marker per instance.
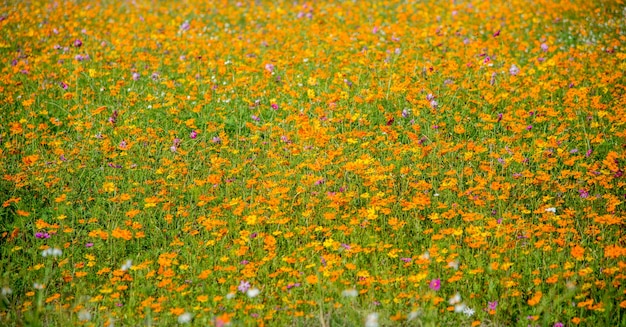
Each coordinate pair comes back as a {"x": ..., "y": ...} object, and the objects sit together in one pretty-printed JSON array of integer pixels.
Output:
[
  {"x": 435, "y": 284},
  {"x": 193, "y": 134}
]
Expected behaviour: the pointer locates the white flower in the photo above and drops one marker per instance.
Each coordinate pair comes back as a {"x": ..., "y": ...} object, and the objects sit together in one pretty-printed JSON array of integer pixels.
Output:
[
  {"x": 371, "y": 320},
  {"x": 6, "y": 291},
  {"x": 453, "y": 264},
  {"x": 253, "y": 292},
  {"x": 230, "y": 296},
  {"x": 185, "y": 318},
  {"x": 413, "y": 314},
  {"x": 553, "y": 210},
  {"x": 426, "y": 255},
  {"x": 54, "y": 252},
  {"x": 459, "y": 307},
  {"x": 84, "y": 315},
  {"x": 468, "y": 311},
  {"x": 127, "y": 265},
  {"x": 38, "y": 286},
  {"x": 455, "y": 299},
  {"x": 350, "y": 293}
]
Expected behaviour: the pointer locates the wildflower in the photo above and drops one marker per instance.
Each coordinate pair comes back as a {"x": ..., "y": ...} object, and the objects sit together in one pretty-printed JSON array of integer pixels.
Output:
[
  {"x": 413, "y": 315},
  {"x": 255, "y": 118},
  {"x": 64, "y": 85},
  {"x": 553, "y": 210},
  {"x": 155, "y": 76},
  {"x": 407, "y": 260},
  {"x": 588, "y": 153},
  {"x": 230, "y": 296},
  {"x": 253, "y": 292},
  {"x": 499, "y": 117},
  {"x": 453, "y": 264},
  {"x": 88, "y": 245},
  {"x": 78, "y": 43},
  {"x": 84, "y": 315},
  {"x": 514, "y": 70},
  {"x": 350, "y": 293},
  {"x": 529, "y": 127},
  {"x": 456, "y": 299},
  {"x": 435, "y": 284},
  {"x": 544, "y": 47},
  {"x": 405, "y": 113},
  {"x": 54, "y": 252},
  {"x": 6, "y": 291},
  {"x": 185, "y": 26},
  {"x": 492, "y": 305},
  {"x": 136, "y": 76},
  {"x": 459, "y": 307},
  {"x": 583, "y": 193},
  {"x": 243, "y": 286},
  {"x": 216, "y": 139},
  {"x": 558, "y": 324},
  {"x": 371, "y": 320},
  {"x": 274, "y": 106},
  {"x": 193, "y": 134},
  {"x": 185, "y": 318},
  {"x": 42, "y": 235},
  {"x": 468, "y": 311},
  {"x": 292, "y": 285},
  {"x": 270, "y": 68},
  {"x": 127, "y": 265},
  {"x": 38, "y": 286}
]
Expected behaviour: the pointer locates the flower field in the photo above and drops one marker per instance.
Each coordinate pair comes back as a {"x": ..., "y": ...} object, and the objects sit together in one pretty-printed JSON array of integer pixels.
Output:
[{"x": 322, "y": 163}]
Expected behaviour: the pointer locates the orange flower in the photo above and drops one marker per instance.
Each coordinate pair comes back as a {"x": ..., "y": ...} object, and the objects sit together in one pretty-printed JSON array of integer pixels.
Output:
[
  {"x": 578, "y": 252},
  {"x": 122, "y": 233}
]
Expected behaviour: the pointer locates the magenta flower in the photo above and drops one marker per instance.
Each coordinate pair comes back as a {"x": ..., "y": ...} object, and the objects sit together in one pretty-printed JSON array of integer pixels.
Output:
[
  {"x": 78, "y": 43},
  {"x": 193, "y": 134},
  {"x": 435, "y": 284},
  {"x": 583, "y": 193},
  {"x": 274, "y": 106},
  {"x": 492, "y": 305}
]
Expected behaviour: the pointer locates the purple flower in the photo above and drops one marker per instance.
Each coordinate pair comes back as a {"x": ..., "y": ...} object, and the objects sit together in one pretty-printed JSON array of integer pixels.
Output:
[
  {"x": 255, "y": 118},
  {"x": 155, "y": 76},
  {"x": 589, "y": 152},
  {"x": 123, "y": 144},
  {"x": 514, "y": 70},
  {"x": 319, "y": 182},
  {"x": 572, "y": 151},
  {"x": 136, "y": 76},
  {"x": 435, "y": 284},
  {"x": 185, "y": 26},
  {"x": 529, "y": 127},
  {"x": 243, "y": 286},
  {"x": 405, "y": 113},
  {"x": 64, "y": 85},
  {"x": 78, "y": 43},
  {"x": 269, "y": 68},
  {"x": 492, "y": 305},
  {"x": 292, "y": 285},
  {"x": 583, "y": 193},
  {"x": 407, "y": 260},
  {"x": 544, "y": 47},
  {"x": 497, "y": 33},
  {"x": 88, "y": 245},
  {"x": 216, "y": 139},
  {"x": 42, "y": 235},
  {"x": 193, "y": 134}
]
